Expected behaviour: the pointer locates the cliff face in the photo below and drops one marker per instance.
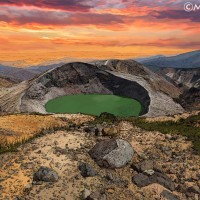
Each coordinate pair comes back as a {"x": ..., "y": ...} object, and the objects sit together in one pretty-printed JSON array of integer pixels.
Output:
[
  {"x": 82, "y": 78},
  {"x": 131, "y": 67},
  {"x": 188, "y": 80}
]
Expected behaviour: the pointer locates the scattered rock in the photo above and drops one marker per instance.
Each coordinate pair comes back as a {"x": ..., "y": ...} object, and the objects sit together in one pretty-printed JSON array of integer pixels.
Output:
[
  {"x": 98, "y": 195},
  {"x": 11, "y": 172},
  {"x": 95, "y": 130},
  {"x": 110, "y": 131},
  {"x": 169, "y": 196},
  {"x": 113, "y": 153},
  {"x": 168, "y": 136},
  {"x": 112, "y": 179},
  {"x": 143, "y": 166},
  {"x": 142, "y": 180},
  {"x": 111, "y": 191},
  {"x": 194, "y": 189},
  {"x": 72, "y": 126},
  {"x": 28, "y": 187},
  {"x": 45, "y": 174},
  {"x": 87, "y": 170},
  {"x": 91, "y": 129},
  {"x": 149, "y": 172},
  {"x": 100, "y": 129},
  {"x": 85, "y": 193},
  {"x": 61, "y": 151}
]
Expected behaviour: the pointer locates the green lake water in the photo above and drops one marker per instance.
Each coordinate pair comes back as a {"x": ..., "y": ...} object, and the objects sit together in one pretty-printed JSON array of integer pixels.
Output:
[{"x": 95, "y": 104}]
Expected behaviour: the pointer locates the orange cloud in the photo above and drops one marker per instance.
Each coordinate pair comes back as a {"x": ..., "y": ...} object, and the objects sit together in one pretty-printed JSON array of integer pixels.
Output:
[{"x": 121, "y": 28}]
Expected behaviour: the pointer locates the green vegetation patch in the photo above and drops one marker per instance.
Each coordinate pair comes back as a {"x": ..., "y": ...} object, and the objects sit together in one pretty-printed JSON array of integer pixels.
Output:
[{"x": 95, "y": 104}]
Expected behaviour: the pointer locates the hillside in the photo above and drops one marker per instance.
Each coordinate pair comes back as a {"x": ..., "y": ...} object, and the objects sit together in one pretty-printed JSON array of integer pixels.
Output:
[
  {"x": 60, "y": 162},
  {"x": 6, "y": 82},
  {"x": 186, "y": 60},
  {"x": 188, "y": 80},
  {"x": 17, "y": 74}
]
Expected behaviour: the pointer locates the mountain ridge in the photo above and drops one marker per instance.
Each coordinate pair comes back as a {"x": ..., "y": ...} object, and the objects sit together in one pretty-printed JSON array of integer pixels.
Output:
[{"x": 185, "y": 60}]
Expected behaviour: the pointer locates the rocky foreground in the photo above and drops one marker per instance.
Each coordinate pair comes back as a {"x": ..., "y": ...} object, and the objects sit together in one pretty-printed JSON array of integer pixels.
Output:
[{"x": 102, "y": 162}]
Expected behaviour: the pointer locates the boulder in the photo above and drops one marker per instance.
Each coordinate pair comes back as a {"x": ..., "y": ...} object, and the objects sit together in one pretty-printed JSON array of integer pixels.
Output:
[
  {"x": 87, "y": 170},
  {"x": 91, "y": 129},
  {"x": 98, "y": 195},
  {"x": 117, "y": 180},
  {"x": 112, "y": 153},
  {"x": 144, "y": 166},
  {"x": 45, "y": 174},
  {"x": 169, "y": 196},
  {"x": 142, "y": 180}
]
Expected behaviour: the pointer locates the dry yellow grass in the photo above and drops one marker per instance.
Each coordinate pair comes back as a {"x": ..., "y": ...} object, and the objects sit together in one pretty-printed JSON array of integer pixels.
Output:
[{"x": 17, "y": 127}]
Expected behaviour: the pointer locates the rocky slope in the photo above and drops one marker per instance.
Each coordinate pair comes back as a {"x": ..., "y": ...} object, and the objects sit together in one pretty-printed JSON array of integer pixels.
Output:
[
  {"x": 188, "y": 80},
  {"x": 185, "y": 78},
  {"x": 60, "y": 165},
  {"x": 181, "y": 70},
  {"x": 6, "y": 82}
]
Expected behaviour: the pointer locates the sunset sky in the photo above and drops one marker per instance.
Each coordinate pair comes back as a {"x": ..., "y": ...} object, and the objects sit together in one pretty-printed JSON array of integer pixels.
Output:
[{"x": 38, "y": 30}]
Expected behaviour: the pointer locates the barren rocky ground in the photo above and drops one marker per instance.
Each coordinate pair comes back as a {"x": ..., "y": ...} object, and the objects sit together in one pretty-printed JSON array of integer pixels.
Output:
[{"x": 59, "y": 165}]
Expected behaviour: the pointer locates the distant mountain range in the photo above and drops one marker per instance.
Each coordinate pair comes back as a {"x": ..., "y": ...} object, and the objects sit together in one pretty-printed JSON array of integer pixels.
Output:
[
  {"x": 144, "y": 59},
  {"x": 154, "y": 63},
  {"x": 16, "y": 74},
  {"x": 185, "y": 60}
]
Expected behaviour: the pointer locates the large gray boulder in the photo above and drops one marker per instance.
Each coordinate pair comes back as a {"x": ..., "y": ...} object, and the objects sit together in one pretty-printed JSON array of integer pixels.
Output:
[{"x": 112, "y": 153}]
